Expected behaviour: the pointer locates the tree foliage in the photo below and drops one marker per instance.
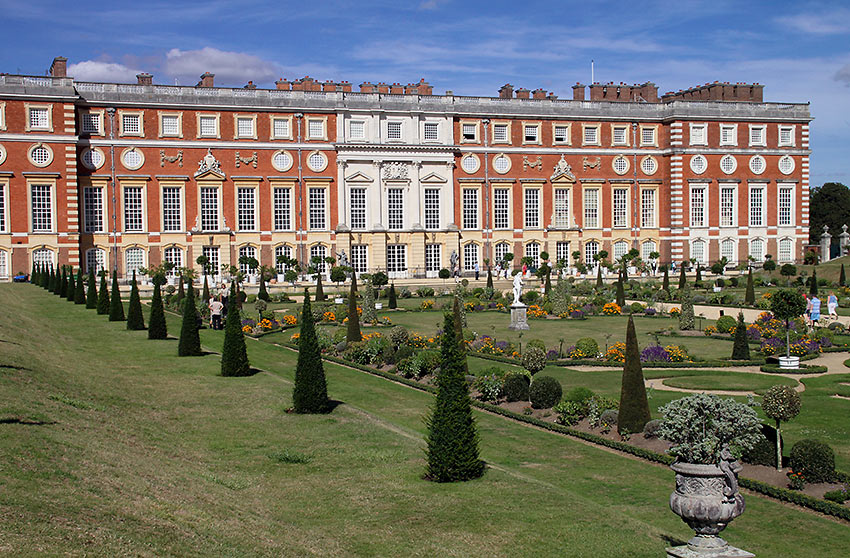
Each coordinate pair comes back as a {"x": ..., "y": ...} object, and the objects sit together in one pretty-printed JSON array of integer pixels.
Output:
[
  {"x": 393, "y": 301},
  {"x": 157, "y": 328},
  {"x": 781, "y": 403},
  {"x": 116, "y": 309},
  {"x": 452, "y": 439},
  {"x": 741, "y": 348},
  {"x": 634, "y": 406},
  {"x": 310, "y": 394},
  {"x": 829, "y": 205}
]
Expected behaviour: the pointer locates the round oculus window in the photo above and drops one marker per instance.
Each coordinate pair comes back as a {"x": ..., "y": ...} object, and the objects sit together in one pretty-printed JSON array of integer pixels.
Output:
[
  {"x": 40, "y": 155},
  {"x": 698, "y": 164},
  {"x": 2, "y": 154},
  {"x": 620, "y": 164},
  {"x": 469, "y": 164},
  {"x": 649, "y": 165},
  {"x": 501, "y": 164},
  {"x": 728, "y": 164},
  {"x": 786, "y": 164},
  {"x": 757, "y": 164},
  {"x": 317, "y": 161},
  {"x": 282, "y": 161},
  {"x": 132, "y": 158}
]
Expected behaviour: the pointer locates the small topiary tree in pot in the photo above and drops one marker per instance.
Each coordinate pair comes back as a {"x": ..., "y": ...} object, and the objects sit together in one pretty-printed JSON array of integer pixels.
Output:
[
  {"x": 708, "y": 434},
  {"x": 780, "y": 403},
  {"x": 786, "y": 305}
]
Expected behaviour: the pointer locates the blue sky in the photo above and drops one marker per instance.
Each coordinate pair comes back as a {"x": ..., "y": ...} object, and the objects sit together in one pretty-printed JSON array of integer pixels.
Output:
[{"x": 799, "y": 50}]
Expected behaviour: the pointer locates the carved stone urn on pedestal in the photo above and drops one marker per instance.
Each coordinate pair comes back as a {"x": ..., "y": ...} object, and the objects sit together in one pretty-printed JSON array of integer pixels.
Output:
[{"x": 707, "y": 499}]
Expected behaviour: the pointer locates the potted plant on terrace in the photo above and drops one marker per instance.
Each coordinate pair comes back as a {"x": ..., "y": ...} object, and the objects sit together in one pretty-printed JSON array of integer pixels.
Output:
[
  {"x": 708, "y": 434},
  {"x": 787, "y": 304}
]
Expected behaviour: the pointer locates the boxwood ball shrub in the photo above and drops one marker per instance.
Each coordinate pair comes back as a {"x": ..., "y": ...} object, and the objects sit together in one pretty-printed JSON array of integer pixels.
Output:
[
  {"x": 536, "y": 343},
  {"x": 399, "y": 336},
  {"x": 545, "y": 392},
  {"x": 534, "y": 359},
  {"x": 814, "y": 459},
  {"x": 515, "y": 388},
  {"x": 588, "y": 347},
  {"x": 651, "y": 428},
  {"x": 725, "y": 324},
  {"x": 764, "y": 452}
]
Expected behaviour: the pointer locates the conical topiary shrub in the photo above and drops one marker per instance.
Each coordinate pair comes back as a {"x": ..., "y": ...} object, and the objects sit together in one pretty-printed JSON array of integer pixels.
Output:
[
  {"x": 91, "y": 292},
  {"x": 62, "y": 283},
  {"x": 393, "y": 302},
  {"x": 842, "y": 278},
  {"x": 116, "y": 309},
  {"x": 320, "y": 291},
  {"x": 71, "y": 288},
  {"x": 750, "y": 293},
  {"x": 80, "y": 289},
  {"x": 51, "y": 280},
  {"x": 599, "y": 283},
  {"x": 310, "y": 394},
  {"x": 452, "y": 439},
  {"x": 135, "y": 319},
  {"x": 621, "y": 294},
  {"x": 103, "y": 296},
  {"x": 190, "y": 339},
  {"x": 665, "y": 283},
  {"x": 686, "y": 316},
  {"x": 699, "y": 274},
  {"x": 234, "y": 354},
  {"x": 353, "y": 334},
  {"x": 683, "y": 281},
  {"x": 181, "y": 291},
  {"x": 741, "y": 349},
  {"x": 157, "y": 328},
  {"x": 634, "y": 407},
  {"x": 263, "y": 294},
  {"x": 489, "y": 277}
]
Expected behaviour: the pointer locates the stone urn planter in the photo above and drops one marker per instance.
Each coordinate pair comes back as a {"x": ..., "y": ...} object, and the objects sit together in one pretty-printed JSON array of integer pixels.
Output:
[
  {"x": 789, "y": 362},
  {"x": 707, "y": 499},
  {"x": 339, "y": 300}
]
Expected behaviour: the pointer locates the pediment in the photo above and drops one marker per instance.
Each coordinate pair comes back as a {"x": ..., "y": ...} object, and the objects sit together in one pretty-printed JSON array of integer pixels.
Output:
[
  {"x": 433, "y": 178},
  {"x": 210, "y": 173},
  {"x": 359, "y": 177}
]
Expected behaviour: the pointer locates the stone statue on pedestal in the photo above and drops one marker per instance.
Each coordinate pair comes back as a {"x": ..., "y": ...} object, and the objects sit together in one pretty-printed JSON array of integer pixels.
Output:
[{"x": 517, "y": 288}]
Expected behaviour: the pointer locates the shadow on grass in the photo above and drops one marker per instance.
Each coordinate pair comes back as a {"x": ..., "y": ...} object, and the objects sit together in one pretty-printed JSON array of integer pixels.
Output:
[
  {"x": 14, "y": 367},
  {"x": 26, "y": 421},
  {"x": 672, "y": 541},
  {"x": 332, "y": 404}
]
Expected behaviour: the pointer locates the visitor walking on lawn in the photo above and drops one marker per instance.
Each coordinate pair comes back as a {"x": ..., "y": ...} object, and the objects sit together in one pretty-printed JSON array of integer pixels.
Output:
[
  {"x": 832, "y": 305},
  {"x": 216, "y": 308},
  {"x": 815, "y": 315},
  {"x": 477, "y": 271}
]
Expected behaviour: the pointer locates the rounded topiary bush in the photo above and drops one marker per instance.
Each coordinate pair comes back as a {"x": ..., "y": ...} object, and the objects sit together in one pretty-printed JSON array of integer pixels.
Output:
[
  {"x": 399, "y": 336},
  {"x": 579, "y": 394},
  {"x": 545, "y": 392},
  {"x": 536, "y": 343},
  {"x": 534, "y": 359},
  {"x": 588, "y": 347},
  {"x": 637, "y": 307},
  {"x": 515, "y": 388},
  {"x": 651, "y": 428},
  {"x": 814, "y": 459},
  {"x": 726, "y": 324}
]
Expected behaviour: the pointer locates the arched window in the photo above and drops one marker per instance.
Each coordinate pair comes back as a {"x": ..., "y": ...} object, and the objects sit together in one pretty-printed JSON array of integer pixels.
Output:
[
  {"x": 590, "y": 250},
  {"x": 470, "y": 256},
  {"x": 648, "y": 248},
  {"x": 43, "y": 256},
  {"x": 698, "y": 251},
  {"x": 4, "y": 264},
  {"x": 279, "y": 251},
  {"x": 95, "y": 260},
  {"x": 134, "y": 258},
  {"x": 620, "y": 249},
  {"x": 727, "y": 250},
  {"x": 246, "y": 252},
  {"x": 502, "y": 248},
  {"x": 174, "y": 256},
  {"x": 319, "y": 251},
  {"x": 786, "y": 250},
  {"x": 757, "y": 250},
  {"x": 532, "y": 250}
]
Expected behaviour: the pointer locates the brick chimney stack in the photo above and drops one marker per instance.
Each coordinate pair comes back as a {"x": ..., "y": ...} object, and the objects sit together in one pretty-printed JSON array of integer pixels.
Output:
[
  {"x": 144, "y": 78},
  {"x": 522, "y": 93},
  {"x": 538, "y": 93},
  {"x": 207, "y": 80},
  {"x": 282, "y": 84},
  {"x": 59, "y": 68},
  {"x": 578, "y": 92},
  {"x": 506, "y": 91}
]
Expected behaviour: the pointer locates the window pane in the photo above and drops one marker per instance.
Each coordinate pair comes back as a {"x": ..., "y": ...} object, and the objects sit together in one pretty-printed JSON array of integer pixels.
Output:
[
  {"x": 620, "y": 213},
  {"x": 394, "y": 130},
  {"x": 358, "y": 208},
  {"x": 647, "y": 208},
  {"x": 90, "y": 123},
  {"x": 562, "y": 207},
  {"x": 281, "y": 127},
  {"x": 358, "y": 258},
  {"x": 757, "y": 207},
  {"x": 432, "y": 208},
  {"x": 317, "y": 208},
  {"x": 42, "y": 209},
  {"x": 247, "y": 252},
  {"x": 433, "y": 257},
  {"x": 172, "y": 212},
  {"x": 208, "y": 126},
  {"x": 561, "y": 134},
  {"x": 500, "y": 132},
  {"x": 131, "y": 123},
  {"x": 470, "y": 256},
  {"x": 174, "y": 256},
  {"x": 209, "y": 209},
  {"x": 245, "y": 127},
  {"x": 134, "y": 259},
  {"x": 470, "y": 208},
  {"x": 396, "y": 258},
  {"x": 245, "y": 211},
  {"x": 431, "y": 131},
  {"x": 316, "y": 129},
  {"x": 698, "y": 207},
  {"x": 395, "y": 208},
  {"x": 785, "y": 201},
  {"x": 532, "y": 208},
  {"x": 282, "y": 218},
  {"x": 500, "y": 208},
  {"x": 170, "y": 125},
  {"x": 591, "y": 209},
  {"x": 93, "y": 209},
  {"x": 281, "y": 251}
]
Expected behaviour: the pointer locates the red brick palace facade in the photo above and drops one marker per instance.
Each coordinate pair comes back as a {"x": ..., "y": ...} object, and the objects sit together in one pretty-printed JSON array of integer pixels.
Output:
[{"x": 397, "y": 178}]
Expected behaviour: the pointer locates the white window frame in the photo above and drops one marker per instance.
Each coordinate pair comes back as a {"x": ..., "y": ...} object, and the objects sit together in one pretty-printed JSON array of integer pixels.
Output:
[
  {"x": 619, "y": 249},
  {"x": 239, "y": 119},
  {"x": 647, "y": 247},
  {"x": 501, "y": 208},
  {"x": 281, "y": 250},
  {"x": 506, "y": 126},
  {"x": 47, "y": 126},
  {"x": 397, "y": 260},
  {"x": 247, "y": 217},
  {"x": 702, "y": 256},
  {"x": 470, "y": 256},
  {"x": 532, "y": 201},
  {"x": 470, "y": 208},
  {"x": 649, "y": 208},
  {"x": 395, "y": 128},
  {"x": 731, "y": 169},
  {"x": 311, "y": 135},
  {"x": 433, "y": 259},
  {"x": 698, "y": 134},
  {"x": 204, "y": 222},
  {"x": 784, "y": 186},
  {"x": 427, "y": 129},
  {"x": 215, "y": 118},
  {"x": 317, "y": 197},
  {"x": 790, "y": 129},
  {"x": 168, "y": 254},
  {"x": 761, "y": 141},
  {"x": 168, "y": 209},
  {"x": 93, "y": 217},
  {"x": 567, "y": 133},
  {"x": 360, "y": 258},
  {"x": 731, "y": 254},
  {"x": 562, "y": 251},
  {"x": 698, "y": 206},
  {"x": 471, "y": 125},
  {"x": 561, "y": 209},
  {"x": 532, "y": 250},
  {"x": 617, "y": 128},
  {"x": 591, "y": 214},
  {"x": 732, "y": 131},
  {"x": 49, "y": 188},
  {"x": 591, "y": 248},
  {"x": 431, "y": 207},
  {"x": 620, "y": 215},
  {"x": 97, "y": 257},
  {"x": 781, "y": 247},
  {"x": 130, "y": 267},
  {"x": 586, "y": 130},
  {"x": 37, "y": 256},
  {"x": 730, "y": 220},
  {"x": 310, "y": 161},
  {"x": 282, "y": 208},
  {"x": 652, "y": 139},
  {"x": 395, "y": 209},
  {"x": 4, "y": 206},
  {"x": 501, "y": 249},
  {"x": 470, "y": 157},
  {"x": 126, "y": 217},
  {"x": 179, "y": 119},
  {"x": 758, "y": 258},
  {"x": 250, "y": 251},
  {"x": 759, "y": 190},
  {"x": 357, "y": 207},
  {"x": 213, "y": 253},
  {"x": 286, "y": 165},
  {"x": 85, "y": 121},
  {"x": 140, "y": 119},
  {"x": 531, "y": 126},
  {"x": 273, "y": 119}
]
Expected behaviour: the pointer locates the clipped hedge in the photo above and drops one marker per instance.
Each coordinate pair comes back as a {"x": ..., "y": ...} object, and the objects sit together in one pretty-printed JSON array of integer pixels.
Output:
[
  {"x": 804, "y": 369},
  {"x": 782, "y": 494}
]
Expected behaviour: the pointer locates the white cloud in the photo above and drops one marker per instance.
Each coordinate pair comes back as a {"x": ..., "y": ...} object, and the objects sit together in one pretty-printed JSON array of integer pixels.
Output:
[
  {"x": 93, "y": 70},
  {"x": 229, "y": 67},
  {"x": 832, "y": 22}
]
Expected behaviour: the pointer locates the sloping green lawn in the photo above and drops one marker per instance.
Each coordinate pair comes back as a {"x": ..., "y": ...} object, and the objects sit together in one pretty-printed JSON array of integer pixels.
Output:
[{"x": 113, "y": 446}]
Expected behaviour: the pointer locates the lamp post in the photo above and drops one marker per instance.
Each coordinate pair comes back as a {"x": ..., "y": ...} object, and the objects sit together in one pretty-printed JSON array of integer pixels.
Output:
[{"x": 111, "y": 112}]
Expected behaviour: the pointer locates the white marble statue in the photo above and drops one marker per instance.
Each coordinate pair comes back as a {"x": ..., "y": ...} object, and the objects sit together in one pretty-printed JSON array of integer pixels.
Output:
[{"x": 517, "y": 288}]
